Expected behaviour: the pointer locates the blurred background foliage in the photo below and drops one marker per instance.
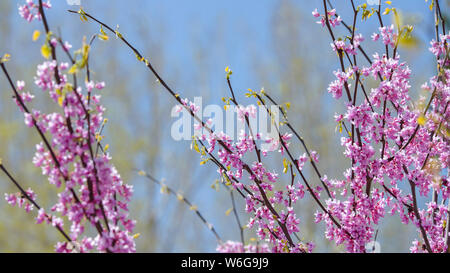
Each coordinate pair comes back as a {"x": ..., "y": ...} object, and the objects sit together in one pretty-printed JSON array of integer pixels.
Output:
[{"x": 272, "y": 44}]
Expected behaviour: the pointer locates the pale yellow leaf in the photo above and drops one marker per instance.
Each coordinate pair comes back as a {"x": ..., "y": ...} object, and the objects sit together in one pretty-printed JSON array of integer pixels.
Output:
[
  {"x": 36, "y": 35},
  {"x": 46, "y": 51}
]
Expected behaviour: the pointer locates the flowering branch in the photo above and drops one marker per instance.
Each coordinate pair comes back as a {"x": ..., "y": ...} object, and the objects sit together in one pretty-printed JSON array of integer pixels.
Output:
[
  {"x": 222, "y": 142},
  {"x": 92, "y": 188},
  {"x": 28, "y": 196}
]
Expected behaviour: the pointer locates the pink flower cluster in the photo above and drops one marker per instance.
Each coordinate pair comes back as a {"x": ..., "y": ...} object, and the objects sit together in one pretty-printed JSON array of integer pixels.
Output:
[
  {"x": 333, "y": 19},
  {"x": 19, "y": 200},
  {"x": 392, "y": 146},
  {"x": 275, "y": 228},
  {"x": 30, "y": 10},
  {"x": 249, "y": 111},
  {"x": 92, "y": 193},
  {"x": 237, "y": 247},
  {"x": 350, "y": 48},
  {"x": 188, "y": 104}
]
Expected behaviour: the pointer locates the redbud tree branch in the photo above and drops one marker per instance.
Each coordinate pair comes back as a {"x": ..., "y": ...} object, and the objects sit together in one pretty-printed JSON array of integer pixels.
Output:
[
  {"x": 25, "y": 194},
  {"x": 178, "y": 99}
]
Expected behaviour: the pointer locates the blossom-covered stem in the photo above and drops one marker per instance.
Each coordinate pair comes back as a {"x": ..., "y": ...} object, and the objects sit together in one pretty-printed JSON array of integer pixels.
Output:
[
  {"x": 63, "y": 156},
  {"x": 351, "y": 30},
  {"x": 222, "y": 167},
  {"x": 33, "y": 202},
  {"x": 378, "y": 12},
  {"x": 275, "y": 213},
  {"x": 294, "y": 161},
  {"x": 360, "y": 48},
  {"x": 438, "y": 17},
  {"x": 99, "y": 145},
  {"x": 353, "y": 125},
  {"x": 169, "y": 190},
  {"x": 339, "y": 51},
  {"x": 89, "y": 135},
  {"x": 61, "y": 43},
  {"x": 408, "y": 206},
  {"x": 45, "y": 140},
  {"x": 433, "y": 134},
  {"x": 88, "y": 117},
  {"x": 366, "y": 96},
  {"x": 24, "y": 107},
  {"x": 327, "y": 22},
  {"x": 302, "y": 141},
  {"x": 22, "y": 191},
  {"x": 313, "y": 194},
  {"x": 53, "y": 51},
  {"x": 97, "y": 224},
  {"x": 72, "y": 61},
  {"x": 417, "y": 214},
  {"x": 91, "y": 189},
  {"x": 265, "y": 200},
  {"x": 383, "y": 137},
  {"x": 257, "y": 150},
  {"x": 292, "y": 182},
  {"x": 88, "y": 76},
  {"x": 424, "y": 113},
  {"x": 405, "y": 120}
]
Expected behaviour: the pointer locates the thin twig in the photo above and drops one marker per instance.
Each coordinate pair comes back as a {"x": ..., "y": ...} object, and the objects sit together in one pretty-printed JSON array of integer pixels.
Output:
[{"x": 183, "y": 199}]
